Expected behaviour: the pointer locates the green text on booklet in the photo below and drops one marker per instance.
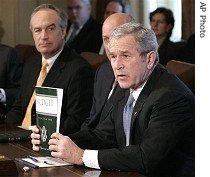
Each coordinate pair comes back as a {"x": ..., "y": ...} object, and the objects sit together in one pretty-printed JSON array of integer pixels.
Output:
[{"x": 48, "y": 111}]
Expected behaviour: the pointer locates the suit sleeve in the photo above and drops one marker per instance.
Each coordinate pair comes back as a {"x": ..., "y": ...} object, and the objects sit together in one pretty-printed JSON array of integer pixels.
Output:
[
  {"x": 84, "y": 126},
  {"x": 77, "y": 100},
  {"x": 13, "y": 77}
]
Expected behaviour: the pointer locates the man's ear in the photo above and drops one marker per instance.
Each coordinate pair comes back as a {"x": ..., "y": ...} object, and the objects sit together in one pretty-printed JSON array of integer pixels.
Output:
[
  {"x": 63, "y": 32},
  {"x": 151, "y": 56}
]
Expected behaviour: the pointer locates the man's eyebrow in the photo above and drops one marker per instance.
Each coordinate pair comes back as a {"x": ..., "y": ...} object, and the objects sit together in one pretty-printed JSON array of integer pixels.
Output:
[
  {"x": 111, "y": 53},
  {"x": 105, "y": 37},
  {"x": 124, "y": 52},
  {"x": 51, "y": 25}
]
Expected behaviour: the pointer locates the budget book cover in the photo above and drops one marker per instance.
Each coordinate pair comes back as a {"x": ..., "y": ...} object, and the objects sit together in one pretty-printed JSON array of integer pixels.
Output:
[{"x": 48, "y": 111}]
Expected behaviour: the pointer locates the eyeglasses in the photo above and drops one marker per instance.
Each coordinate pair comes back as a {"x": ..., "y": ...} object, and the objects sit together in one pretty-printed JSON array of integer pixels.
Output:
[{"x": 74, "y": 8}]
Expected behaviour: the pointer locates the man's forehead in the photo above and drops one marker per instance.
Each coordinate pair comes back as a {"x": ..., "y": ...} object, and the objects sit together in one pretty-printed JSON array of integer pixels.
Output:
[
  {"x": 47, "y": 16},
  {"x": 45, "y": 13},
  {"x": 123, "y": 43},
  {"x": 116, "y": 46}
]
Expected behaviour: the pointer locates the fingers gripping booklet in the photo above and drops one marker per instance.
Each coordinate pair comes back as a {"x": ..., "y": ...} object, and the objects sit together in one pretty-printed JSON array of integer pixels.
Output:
[{"x": 48, "y": 111}]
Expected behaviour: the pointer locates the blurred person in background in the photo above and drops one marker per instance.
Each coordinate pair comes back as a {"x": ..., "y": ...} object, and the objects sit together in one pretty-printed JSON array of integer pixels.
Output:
[
  {"x": 162, "y": 23},
  {"x": 83, "y": 32},
  {"x": 11, "y": 66},
  {"x": 114, "y": 6}
]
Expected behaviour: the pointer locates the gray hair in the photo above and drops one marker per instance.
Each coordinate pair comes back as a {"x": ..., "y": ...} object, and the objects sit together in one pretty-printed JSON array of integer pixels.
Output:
[
  {"x": 61, "y": 13},
  {"x": 145, "y": 37}
]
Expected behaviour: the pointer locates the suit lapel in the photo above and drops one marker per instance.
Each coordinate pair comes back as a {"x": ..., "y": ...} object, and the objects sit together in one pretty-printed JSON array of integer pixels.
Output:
[
  {"x": 108, "y": 105},
  {"x": 56, "y": 69},
  {"x": 53, "y": 73},
  {"x": 149, "y": 86},
  {"x": 33, "y": 74},
  {"x": 35, "y": 71}
]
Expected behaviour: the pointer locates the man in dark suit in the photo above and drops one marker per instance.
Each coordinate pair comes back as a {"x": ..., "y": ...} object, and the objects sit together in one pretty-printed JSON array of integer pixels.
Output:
[
  {"x": 83, "y": 32},
  {"x": 104, "y": 77},
  {"x": 160, "y": 137},
  {"x": 66, "y": 70},
  {"x": 11, "y": 67}
]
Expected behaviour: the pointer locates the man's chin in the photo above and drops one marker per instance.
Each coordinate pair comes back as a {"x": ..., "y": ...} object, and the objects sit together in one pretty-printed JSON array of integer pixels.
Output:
[{"x": 124, "y": 86}]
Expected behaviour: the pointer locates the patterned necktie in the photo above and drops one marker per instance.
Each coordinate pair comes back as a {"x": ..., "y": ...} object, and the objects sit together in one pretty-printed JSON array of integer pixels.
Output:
[
  {"x": 73, "y": 34},
  {"x": 127, "y": 117},
  {"x": 43, "y": 73}
]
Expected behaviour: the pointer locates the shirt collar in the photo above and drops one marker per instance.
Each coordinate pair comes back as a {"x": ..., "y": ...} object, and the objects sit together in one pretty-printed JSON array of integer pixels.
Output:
[
  {"x": 51, "y": 60},
  {"x": 137, "y": 92}
]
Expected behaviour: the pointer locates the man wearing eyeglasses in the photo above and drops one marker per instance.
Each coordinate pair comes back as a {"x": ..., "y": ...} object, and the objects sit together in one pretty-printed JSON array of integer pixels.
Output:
[{"x": 83, "y": 32}]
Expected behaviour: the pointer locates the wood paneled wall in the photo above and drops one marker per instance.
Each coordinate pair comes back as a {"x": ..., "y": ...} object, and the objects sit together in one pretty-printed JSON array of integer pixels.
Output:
[{"x": 188, "y": 18}]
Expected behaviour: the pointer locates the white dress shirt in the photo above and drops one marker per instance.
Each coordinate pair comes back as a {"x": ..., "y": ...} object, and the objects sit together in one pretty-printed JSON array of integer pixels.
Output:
[{"x": 2, "y": 96}]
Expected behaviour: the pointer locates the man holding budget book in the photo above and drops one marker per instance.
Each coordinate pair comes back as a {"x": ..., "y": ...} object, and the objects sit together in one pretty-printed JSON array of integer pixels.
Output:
[
  {"x": 151, "y": 127},
  {"x": 58, "y": 66}
]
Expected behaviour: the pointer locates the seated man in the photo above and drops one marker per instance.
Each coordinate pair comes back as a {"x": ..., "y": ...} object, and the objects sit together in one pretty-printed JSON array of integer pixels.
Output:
[
  {"x": 150, "y": 128},
  {"x": 116, "y": 6},
  {"x": 104, "y": 77},
  {"x": 11, "y": 67},
  {"x": 65, "y": 69},
  {"x": 83, "y": 32},
  {"x": 112, "y": 7}
]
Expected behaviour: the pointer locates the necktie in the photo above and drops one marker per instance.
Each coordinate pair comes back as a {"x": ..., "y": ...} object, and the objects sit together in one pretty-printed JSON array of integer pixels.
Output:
[
  {"x": 73, "y": 34},
  {"x": 127, "y": 117},
  {"x": 43, "y": 73}
]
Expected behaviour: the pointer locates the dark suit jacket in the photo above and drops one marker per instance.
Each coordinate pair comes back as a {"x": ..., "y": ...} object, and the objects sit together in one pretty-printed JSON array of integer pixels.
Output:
[
  {"x": 162, "y": 130},
  {"x": 89, "y": 39},
  {"x": 70, "y": 72},
  {"x": 11, "y": 67},
  {"x": 189, "y": 53},
  {"x": 104, "y": 79},
  {"x": 168, "y": 51}
]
